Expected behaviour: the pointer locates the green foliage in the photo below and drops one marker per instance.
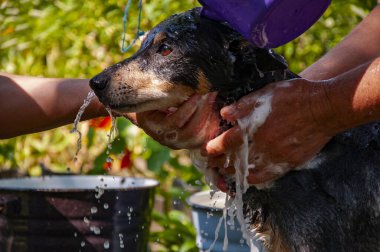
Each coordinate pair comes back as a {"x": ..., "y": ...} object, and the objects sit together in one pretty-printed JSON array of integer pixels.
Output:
[
  {"x": 339, "y": 19},
  {"x": 68, "y": 38},
  {"x": 177, "y": 234}
]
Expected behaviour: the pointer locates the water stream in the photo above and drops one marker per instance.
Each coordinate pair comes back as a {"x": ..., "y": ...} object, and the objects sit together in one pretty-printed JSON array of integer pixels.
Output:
[
  {"x": 86, "y": 102},
  {"x": 234, "y": 206}
]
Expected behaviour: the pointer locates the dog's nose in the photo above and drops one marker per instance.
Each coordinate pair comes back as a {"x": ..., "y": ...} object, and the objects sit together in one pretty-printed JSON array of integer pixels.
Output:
[{"x": 99, "y": 82}]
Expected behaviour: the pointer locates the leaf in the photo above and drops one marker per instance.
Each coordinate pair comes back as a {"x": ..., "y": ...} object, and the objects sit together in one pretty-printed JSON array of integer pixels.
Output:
[{"x": 157, "y": 159}]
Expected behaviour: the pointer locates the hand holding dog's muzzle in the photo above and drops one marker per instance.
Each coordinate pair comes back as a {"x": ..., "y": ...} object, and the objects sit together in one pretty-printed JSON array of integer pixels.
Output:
[{"x": 188, "y": 127}]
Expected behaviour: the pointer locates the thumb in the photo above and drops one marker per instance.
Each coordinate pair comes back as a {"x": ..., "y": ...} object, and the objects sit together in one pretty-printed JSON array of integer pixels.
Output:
[{"x": 240, "y": 109}]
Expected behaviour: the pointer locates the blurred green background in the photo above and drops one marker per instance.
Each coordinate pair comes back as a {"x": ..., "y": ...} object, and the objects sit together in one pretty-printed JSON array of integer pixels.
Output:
[{"x": 71, "y": 38}]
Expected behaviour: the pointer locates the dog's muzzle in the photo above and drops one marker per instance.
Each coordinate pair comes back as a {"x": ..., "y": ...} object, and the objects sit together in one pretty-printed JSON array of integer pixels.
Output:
[{"x": 100, "y": 82}]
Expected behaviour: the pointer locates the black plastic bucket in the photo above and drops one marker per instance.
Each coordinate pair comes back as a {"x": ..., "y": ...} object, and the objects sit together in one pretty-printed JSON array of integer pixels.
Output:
[{"x": 75, "y": 213}]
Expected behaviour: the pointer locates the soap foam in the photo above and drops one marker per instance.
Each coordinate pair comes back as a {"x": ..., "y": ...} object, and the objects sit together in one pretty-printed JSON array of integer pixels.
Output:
[{"x": 234, "y": 207}]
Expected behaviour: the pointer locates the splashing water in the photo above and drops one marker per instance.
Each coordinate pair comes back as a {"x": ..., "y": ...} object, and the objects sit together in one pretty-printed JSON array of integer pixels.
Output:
[
  {"x": 111, "y": 135},
  {"x": 106, "y": 244},
  {"x": 121, "y": 240},
  {"x": 94, "y": 210},
  {"x": 234, "y": 207},
  {"x": 113, "y": 131},
  {"x": 86, "y": 102},
  {"x": 228, "y": 202}
]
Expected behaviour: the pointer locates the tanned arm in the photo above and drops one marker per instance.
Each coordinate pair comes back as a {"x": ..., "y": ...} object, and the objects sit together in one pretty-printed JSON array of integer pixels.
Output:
[
  {"x": 33, "y": 104},
  {"x": 340, "y": 91},
  {"x": 359, "y": 47}
]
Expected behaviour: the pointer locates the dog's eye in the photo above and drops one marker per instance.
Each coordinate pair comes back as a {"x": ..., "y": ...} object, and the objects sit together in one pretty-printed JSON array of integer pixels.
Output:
[{"x": 164, "y": 50}]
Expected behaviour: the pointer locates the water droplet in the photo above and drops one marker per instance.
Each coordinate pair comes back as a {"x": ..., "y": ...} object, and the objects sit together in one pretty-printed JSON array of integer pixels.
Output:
[
  {"x": 75, "y": 234},
  {"x": 105, "y": 206},
  {"x": 86, "y": 220},
  {"x": 106, "y": 244},
  {"x": 99, "y": 192},
  {"x": 94, "y": 210},
  {"x": 95, "y": 229},
  {"x": 82, "y": 244}
]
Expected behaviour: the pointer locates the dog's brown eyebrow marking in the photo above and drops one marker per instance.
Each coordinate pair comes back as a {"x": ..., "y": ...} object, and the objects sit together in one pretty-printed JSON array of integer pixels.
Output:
[
  {"x": 160, "y": 37},
  {"x": 204, "y": 85}
]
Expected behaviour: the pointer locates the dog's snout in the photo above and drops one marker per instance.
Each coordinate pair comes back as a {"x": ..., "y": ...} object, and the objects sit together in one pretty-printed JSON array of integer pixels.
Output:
[{"x": 100, "y": 82}]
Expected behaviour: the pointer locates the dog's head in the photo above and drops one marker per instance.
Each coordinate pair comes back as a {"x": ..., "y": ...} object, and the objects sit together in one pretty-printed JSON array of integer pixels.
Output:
[{"x": 183, "y": 55}]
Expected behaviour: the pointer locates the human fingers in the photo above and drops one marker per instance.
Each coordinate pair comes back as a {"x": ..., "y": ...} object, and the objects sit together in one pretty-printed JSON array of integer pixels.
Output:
[
  {"x": 150, "y": 120},
  {"x": 266, "y": 173},
  {"x": 222, "y": 184},
  {"x": 223, "y": 164},
  {"x": 183, "y": 114},
  {"x": 226, "y": 142},
  {"x": 131, "y": 117},
  {"x": 242, "y": 108},
  {"x": 204, "y": 119}
]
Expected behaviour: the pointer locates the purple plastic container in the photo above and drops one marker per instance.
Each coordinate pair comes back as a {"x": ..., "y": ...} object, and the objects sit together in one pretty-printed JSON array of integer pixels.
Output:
[{"x": 266, "y": 23}]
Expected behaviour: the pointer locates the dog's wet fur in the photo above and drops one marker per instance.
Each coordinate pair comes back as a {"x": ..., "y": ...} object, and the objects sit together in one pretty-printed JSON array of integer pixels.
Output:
[{"x": 332, "y": 206}]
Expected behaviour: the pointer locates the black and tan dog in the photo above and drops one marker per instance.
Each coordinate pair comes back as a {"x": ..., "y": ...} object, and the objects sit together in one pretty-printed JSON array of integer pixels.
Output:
[{"x": 335, "y": 206}]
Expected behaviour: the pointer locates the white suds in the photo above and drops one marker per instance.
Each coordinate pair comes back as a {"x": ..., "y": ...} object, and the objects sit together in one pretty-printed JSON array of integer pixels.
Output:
[{"x": 234, "y": 207}]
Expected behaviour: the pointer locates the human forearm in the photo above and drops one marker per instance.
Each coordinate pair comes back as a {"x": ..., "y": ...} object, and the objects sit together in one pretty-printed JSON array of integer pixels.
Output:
[
  {"x": 360, "y": 46},
  {"x": 32, "y": 104},
  {"x": 348, "y": 100}
]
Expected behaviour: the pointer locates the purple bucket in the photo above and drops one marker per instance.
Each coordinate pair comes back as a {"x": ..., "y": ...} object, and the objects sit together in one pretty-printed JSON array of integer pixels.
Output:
[
  {"x": 75, "y": 213},
  {"x": 266, "y": 23}
]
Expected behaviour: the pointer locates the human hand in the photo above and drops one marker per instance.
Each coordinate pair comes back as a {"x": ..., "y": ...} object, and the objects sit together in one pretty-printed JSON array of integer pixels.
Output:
[
  {"x": 187, "y": 127},
  {"x": 283, "y": 128}
]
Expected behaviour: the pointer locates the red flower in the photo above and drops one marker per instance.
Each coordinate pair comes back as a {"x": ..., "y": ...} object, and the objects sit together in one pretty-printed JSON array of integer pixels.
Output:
[
  {"x": 126, "y": 161},
  {"x": 101, "y": 123},
  {"x": 107, "y": 166}
]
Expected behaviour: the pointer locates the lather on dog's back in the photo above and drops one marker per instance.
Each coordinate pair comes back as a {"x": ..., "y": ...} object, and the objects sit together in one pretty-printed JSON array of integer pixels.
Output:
[{"x": 331, "y": 205}]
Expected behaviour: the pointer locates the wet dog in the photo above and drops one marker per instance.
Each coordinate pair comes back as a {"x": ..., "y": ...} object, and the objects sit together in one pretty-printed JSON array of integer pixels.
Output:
[{"x": 332, "y": 206}]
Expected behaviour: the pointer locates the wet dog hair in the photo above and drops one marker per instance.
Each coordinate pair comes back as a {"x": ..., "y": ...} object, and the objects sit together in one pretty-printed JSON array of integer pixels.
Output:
[{"x": 333, "y": 204}]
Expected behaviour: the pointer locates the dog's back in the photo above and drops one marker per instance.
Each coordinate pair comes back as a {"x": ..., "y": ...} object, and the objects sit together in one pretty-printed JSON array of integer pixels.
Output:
[{"x": 334, "y": 205}]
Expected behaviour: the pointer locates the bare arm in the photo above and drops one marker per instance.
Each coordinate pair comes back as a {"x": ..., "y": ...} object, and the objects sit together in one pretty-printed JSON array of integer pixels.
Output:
[
  {"x": 347, "y": 95},
  {"x": 32, "y": 104},
  {"x": 349, "y": 99},
  {"x": 359, "y": 47},
  {"x": 305, "y": 115}
]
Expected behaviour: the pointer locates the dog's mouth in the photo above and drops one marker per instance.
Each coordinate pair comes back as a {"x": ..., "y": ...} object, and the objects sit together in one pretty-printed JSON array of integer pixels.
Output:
[
  {"x": 126, "y": 108},
  {"x": 141, "y": 106}
]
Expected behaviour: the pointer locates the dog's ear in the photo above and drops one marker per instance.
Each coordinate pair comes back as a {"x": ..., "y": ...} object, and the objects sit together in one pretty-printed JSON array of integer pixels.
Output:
[
  {"x": 265, "y": 60},
  {"x": 268, "y": 60}
]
